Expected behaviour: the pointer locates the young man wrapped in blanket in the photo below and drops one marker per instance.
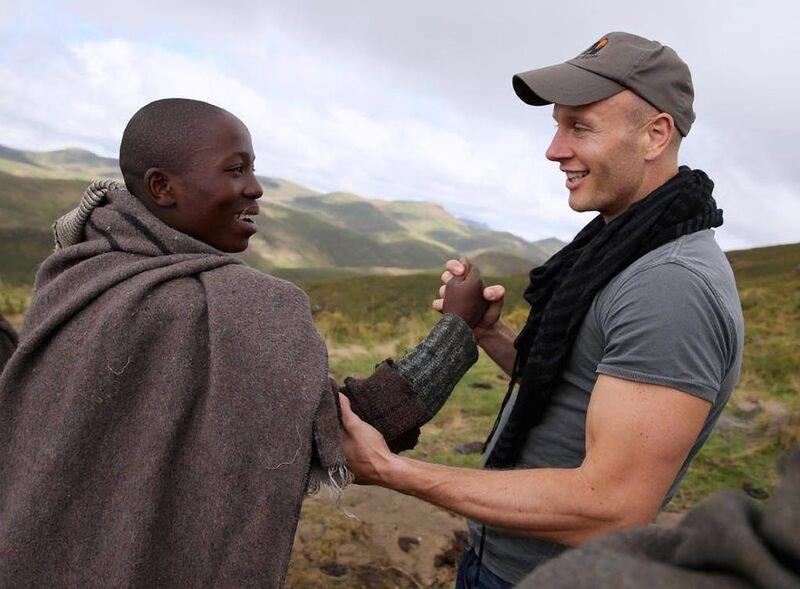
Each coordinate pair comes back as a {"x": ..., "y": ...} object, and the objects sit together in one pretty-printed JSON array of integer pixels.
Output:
[{"x": 167, "y": 407}]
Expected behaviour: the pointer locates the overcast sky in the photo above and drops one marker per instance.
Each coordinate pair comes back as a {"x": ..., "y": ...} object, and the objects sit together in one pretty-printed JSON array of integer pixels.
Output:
[{"x": 412, "y": 100}]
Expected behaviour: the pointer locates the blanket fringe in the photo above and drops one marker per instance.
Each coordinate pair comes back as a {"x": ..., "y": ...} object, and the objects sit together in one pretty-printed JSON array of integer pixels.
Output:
[{"x": 337, "y": 479}]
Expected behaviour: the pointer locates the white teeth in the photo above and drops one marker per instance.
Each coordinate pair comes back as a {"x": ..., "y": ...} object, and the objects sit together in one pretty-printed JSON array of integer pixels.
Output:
[{"x": 575, "y": 175}]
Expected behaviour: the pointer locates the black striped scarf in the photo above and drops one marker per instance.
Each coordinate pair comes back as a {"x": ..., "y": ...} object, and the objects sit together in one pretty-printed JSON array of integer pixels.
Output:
[{"x": 561, "y": 291}]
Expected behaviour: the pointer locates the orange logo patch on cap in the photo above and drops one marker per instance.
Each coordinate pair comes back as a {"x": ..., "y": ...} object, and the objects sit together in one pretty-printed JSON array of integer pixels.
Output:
[{"x": 595, "y": 48}]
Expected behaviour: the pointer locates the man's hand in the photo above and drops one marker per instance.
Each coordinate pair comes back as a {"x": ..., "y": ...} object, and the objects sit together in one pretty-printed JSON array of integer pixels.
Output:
[
  {"x": 364, "y": 447},
  {"x": 463, "y": 295},
  {"x": 492, "y": 306}
]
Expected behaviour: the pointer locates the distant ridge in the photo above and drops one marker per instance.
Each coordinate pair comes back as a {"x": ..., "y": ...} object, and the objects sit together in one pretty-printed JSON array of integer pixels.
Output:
[
  {"x": 63, "y": 163},
  {"x": 300, "y": 230}
]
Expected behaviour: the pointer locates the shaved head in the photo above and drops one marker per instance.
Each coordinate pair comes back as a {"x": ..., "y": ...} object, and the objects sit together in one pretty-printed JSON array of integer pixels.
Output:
[
  {"x": 640, "y": 111},
  {"x": 164, "y": 134}
]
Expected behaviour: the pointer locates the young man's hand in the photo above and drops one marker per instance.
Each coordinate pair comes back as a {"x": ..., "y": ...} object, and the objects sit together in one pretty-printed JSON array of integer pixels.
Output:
[{"x": 468, "y": 275}]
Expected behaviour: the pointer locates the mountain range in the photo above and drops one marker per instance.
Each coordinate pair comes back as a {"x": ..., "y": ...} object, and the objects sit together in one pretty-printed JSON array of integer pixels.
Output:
[{"x": 302, "y": 232}]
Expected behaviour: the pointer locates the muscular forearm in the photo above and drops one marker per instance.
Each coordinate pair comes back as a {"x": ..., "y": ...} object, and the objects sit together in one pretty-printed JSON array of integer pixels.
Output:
[
  {"x": 498, "y": 343},
  {"x": 567, "y": 506}
]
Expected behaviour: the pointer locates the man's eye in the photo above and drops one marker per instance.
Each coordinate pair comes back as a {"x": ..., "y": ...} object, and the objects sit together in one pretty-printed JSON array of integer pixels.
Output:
[{"x": 238, "y": 169}]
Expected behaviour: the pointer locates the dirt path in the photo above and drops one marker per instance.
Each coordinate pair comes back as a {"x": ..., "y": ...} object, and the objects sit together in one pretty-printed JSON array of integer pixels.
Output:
[{"x": 391, "y": 540}]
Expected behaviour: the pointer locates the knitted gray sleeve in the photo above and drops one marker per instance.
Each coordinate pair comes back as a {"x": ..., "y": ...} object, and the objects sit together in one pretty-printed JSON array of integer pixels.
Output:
[{"x": 437, "y": 363}]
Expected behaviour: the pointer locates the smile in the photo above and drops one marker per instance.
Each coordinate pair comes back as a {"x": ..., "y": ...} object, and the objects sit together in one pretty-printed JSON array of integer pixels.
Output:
[
  {"x": 247, "y": 214},
  {"x": 572, "y": 176}
]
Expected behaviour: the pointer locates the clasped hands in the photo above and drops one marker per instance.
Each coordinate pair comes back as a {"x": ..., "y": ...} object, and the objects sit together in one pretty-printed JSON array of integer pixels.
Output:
[{"x": 462, "y": 293}]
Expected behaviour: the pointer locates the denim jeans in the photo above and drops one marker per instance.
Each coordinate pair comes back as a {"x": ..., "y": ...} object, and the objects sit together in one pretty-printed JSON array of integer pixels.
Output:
[{"x": 468, "y": 568}]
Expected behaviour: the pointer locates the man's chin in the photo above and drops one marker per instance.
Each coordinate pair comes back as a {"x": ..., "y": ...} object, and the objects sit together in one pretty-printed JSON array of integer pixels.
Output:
[
  {"x": 578, "y": 204},
  {"x": 232, "y": 247},
  {"x": 235, "y": 249}
]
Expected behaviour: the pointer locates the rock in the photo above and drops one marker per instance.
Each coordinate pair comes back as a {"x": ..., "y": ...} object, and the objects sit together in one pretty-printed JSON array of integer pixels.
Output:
[
  {"x": 754, "y": 491},
  {"x": 333, "y": 569},
  {"x": 470, "y": 448},
  {"x": 727, "y": 424},
  {"x": 747, "y": 408},
  {"x": 406, "y": 543},
  {"x": 774, "y": 407},
  {"x": 452, "y": 554},
  {"x": 782, "y": 423}
]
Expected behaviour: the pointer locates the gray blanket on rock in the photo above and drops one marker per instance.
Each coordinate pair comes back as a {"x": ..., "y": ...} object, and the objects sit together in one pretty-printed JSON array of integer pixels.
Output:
[
  {"x": 727, "y": 542},
  {"x": 163, "y": 415}
]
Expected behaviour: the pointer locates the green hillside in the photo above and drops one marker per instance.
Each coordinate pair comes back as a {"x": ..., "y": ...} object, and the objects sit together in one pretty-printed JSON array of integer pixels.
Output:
[
  {"x": 501, "y": 264},
  {"x": 301, "y": 230},
  {"x": 349, "y": 211},
  {"x": 324, "y": 244},
  {"x": 64, "y": 163},
  {"x": 28, "y": 207},
  {"x": 35, "y": 203}
]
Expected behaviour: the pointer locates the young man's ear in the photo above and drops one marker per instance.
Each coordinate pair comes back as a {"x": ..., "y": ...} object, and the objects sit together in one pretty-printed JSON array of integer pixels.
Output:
[
  {"x": 660, "y": 131},
  {"x": 158, "y": 184}
]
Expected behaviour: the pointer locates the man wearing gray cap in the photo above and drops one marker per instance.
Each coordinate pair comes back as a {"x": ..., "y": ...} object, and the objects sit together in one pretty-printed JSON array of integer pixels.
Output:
[{"x": 633, "y": 343}]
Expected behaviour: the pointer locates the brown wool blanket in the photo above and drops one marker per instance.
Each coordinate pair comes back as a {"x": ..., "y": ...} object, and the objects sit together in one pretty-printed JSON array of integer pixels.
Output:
[
  {"x": 728, "y": 541},
  {"x": 164, "y": 413},
  {"x": 8, "y": 341}
]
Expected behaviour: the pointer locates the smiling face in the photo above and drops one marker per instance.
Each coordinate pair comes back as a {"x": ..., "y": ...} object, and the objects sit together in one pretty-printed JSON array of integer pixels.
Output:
[
  {"x": 603, "y": 154},
  {"x": 214, "y": 197}
]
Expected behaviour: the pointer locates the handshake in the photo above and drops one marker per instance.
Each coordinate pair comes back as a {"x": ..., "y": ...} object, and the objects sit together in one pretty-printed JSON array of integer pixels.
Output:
[{"x": 462, "y": 293}]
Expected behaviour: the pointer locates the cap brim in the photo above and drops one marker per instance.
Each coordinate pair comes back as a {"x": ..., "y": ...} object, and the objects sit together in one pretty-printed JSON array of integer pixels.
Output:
[{"x": 563, "y": 84}]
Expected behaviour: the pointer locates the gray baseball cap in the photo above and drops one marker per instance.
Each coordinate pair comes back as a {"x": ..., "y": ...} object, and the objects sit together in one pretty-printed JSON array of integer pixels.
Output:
[{"x": 617, "y": 61}]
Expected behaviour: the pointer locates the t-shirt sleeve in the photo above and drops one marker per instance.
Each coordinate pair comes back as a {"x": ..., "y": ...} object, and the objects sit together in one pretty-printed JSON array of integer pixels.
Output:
[{"x": 665, "y": 325}]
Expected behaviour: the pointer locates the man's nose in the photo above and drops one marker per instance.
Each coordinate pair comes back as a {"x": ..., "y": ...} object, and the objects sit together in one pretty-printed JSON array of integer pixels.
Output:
[
  {"x": 253, "y": 189},
  {"x": 559, "y": 148}
]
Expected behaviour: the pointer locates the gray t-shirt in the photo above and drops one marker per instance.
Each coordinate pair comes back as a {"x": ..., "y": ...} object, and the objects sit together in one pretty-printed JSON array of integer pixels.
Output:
[{"x": 671, "y": 318}]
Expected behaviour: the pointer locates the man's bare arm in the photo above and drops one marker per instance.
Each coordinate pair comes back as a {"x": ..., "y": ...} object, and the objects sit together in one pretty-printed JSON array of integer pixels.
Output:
[
  {"x": 498, "y": 343},
  {"x": 637, "y": 435}
]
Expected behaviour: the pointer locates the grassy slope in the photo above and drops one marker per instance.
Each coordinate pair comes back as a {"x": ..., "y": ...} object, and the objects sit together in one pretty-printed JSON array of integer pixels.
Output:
[
  {"x": 354, "y": 314},
  {"x": 300, "y": 229},
  {"x": 36, "y": 202},
  {"x": 768, "y": 280},
  {"x": 64, "y": 163},
  {"x": 28, "y": 207},
  {"x": 418, "y": 226},
  {"x": 288, "y": 238},
  {"x": 342, "y": 247},
  {"x": 500, "y": 264},
  {"x": 367, "y": 318}
]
